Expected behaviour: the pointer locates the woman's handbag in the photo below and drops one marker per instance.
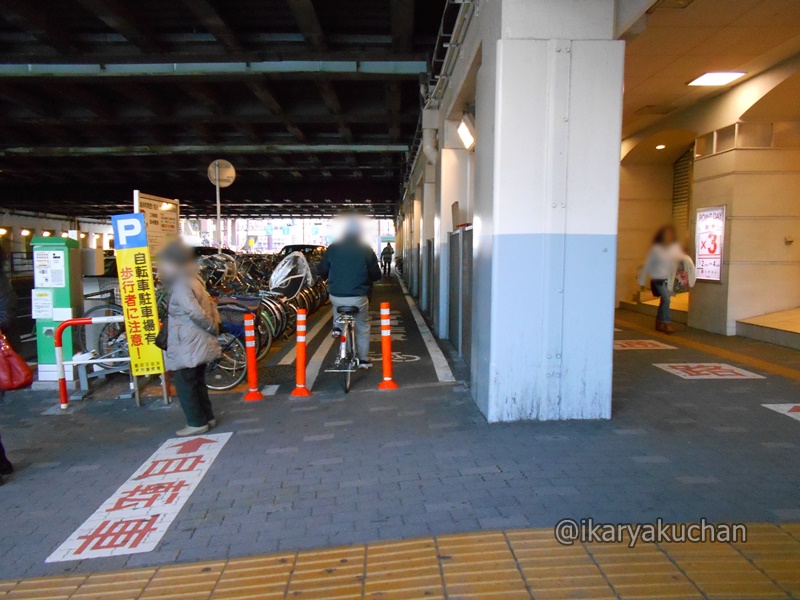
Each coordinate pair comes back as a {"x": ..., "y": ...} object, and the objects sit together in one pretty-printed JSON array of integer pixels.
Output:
[
  {"x": 161, "y": 340},
  {"x": 15, "y": 373}
]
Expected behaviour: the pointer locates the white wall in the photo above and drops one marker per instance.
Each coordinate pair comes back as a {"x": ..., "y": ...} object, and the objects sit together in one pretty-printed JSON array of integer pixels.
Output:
[
  {"x": 645, "y": 204},
  {"x": 760, "y": 188}
]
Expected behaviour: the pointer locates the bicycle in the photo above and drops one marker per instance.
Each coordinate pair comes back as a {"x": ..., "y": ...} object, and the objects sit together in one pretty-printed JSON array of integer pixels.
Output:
[
  {"x": 347, "y": 361},
  {"x": 228, "y": 370}
]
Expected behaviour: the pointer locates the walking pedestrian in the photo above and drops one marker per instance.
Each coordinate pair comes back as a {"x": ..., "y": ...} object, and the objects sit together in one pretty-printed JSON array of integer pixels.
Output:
[{"x": 661, "y": 263}]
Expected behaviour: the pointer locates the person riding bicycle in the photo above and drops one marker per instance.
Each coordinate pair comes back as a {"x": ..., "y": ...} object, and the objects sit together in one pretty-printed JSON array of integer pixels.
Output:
[
  {"x": 351, "y": 267},
  {"x": 386, "y": 258}
]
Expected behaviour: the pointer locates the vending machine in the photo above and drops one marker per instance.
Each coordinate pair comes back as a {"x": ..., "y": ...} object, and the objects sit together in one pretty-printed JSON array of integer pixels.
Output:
[{"x": 57, "y": 296}]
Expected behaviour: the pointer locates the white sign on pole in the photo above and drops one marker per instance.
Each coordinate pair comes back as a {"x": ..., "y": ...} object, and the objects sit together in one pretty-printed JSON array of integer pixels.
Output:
[
  {"x": 226, "y": 176},
  {"x": 162, "y": 218},
  {"x": 42, "y": 304},
  {"x": 49, "y": 269},
  {"x": 709, "y": 238},
  {"x": 221, "y": 174}
]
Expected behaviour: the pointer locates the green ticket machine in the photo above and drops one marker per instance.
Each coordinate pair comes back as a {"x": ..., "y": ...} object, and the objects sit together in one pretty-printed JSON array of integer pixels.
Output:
[{"x": 57, "y": 296}]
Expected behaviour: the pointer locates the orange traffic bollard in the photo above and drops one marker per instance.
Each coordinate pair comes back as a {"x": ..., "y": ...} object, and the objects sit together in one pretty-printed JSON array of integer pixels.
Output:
[
  {"x": 386, "y": 348},
  {"x": 253, "y": 394},
  {"x": 300, "y": 389}
]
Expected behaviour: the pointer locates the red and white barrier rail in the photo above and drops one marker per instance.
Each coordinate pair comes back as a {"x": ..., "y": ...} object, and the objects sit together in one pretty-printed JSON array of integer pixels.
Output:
[
  {"x": 253, "y": 394},
  {"x": 59, "y": 347},
  {"x": 388, "y": 382}
]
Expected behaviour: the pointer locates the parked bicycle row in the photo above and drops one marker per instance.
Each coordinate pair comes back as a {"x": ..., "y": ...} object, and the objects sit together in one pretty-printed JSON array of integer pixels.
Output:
[{"x": 273, "y": 290}]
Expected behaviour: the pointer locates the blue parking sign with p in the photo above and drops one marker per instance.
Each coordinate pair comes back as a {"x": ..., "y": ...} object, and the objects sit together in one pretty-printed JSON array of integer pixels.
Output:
[{"x": 129, "y": 231}]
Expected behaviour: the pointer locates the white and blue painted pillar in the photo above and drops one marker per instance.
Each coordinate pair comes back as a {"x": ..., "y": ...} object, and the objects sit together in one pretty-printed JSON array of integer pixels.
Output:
[{"x": 543, "y": 306}]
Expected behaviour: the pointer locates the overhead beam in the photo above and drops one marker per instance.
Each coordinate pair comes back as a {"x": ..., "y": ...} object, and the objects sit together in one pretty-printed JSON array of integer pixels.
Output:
[
  {"x": 38, "y": 23},
  {"x": 121, "y": 19},
  {"x": 394, "y": 104},
  {"x": 331, "y": 100},
  {"x": 403, "y": 24},
  {"x": 306, "y": 68},
  {"x": 266, "y": 97},
  {"x": 45, "y": 151},
  {"x": 205, "y": 12},
  {"x": 27, "y": 100},
  {"x": 162, "y": 115},
  {"x": 308, "y": 22}
]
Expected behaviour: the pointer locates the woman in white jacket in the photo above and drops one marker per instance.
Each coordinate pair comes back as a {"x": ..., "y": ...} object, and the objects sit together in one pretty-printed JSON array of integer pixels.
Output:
[{"x": 660, "y": 266}]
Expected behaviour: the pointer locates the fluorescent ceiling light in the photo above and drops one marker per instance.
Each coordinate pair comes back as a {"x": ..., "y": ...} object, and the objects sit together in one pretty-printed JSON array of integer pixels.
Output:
[
  {"x": 64, "y": 234},
  {"x": 25, "y": 232},
  {"x": 46, "y": 234},
  {"x": 660, "y": 147},
  {"x": 466, "y": 131},
  {"x": 3, "y": 231},
  {"x": 720, "y": 78}
]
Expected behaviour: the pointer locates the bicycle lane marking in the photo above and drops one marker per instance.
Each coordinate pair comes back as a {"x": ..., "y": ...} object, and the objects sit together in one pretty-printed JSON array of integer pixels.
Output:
[
  {"x": 315, "y": 364},
  {"x": 289, "y": 359},
  {"x": 440, "y": 364},
  {"x": 139, "y": 513}
]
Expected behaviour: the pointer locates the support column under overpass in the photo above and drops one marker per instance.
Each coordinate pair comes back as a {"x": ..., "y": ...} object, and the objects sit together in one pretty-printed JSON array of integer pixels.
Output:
[{"x": 548, "y": 114}]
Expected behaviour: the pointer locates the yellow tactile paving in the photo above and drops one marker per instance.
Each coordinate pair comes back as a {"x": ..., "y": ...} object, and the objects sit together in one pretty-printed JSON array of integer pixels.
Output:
[{"x": 504, "y": 565}]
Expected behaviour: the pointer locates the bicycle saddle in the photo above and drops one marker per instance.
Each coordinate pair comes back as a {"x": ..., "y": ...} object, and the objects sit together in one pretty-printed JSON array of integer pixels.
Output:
[{"x": 348, "y": 310}]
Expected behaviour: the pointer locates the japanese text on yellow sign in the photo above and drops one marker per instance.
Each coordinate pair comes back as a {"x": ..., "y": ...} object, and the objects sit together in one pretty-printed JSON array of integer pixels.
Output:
[{"x": 137, "y": 293}]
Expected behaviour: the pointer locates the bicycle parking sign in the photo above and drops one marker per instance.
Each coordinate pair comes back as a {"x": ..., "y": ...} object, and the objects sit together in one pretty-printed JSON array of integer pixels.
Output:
[{"x": 137, "y": 292}]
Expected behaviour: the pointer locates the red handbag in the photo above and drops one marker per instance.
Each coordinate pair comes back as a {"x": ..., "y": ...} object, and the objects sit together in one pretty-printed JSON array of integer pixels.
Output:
[{"x": 15, "y": 373}]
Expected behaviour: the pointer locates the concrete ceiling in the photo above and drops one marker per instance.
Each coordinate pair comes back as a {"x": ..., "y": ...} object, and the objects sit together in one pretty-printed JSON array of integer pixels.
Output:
[{"x": 684, "y": 40}]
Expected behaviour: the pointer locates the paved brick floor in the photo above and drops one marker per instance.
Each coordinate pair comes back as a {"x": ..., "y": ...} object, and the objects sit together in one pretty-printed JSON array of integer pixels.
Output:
[{"x": 334, "y": 470}]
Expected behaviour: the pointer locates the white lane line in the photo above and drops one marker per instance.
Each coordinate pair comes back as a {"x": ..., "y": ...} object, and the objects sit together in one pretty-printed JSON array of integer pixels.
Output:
[
  {"x": 289, "y": 358},
  {"x": 138, "y": 514},
  {"x": 443, "y": 372},
  {"x": 312, "y": 371},
  {"x": 270, "y": 390}
]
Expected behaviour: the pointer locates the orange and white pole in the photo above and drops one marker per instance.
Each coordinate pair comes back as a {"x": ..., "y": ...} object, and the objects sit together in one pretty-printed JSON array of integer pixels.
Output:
[
  {"x": 386, "y": 348},
  {"x": 253, "y": 394},
  {"x": 300, "y": 388}
]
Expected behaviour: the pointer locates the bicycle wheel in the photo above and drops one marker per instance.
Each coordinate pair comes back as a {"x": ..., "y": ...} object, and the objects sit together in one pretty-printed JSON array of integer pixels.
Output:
[
  {"x": 228, "y": 371},
  {"x": 265, "y": 334},
  {"x": 349, "y": 358},
  {"x": 108, "y": 340}
]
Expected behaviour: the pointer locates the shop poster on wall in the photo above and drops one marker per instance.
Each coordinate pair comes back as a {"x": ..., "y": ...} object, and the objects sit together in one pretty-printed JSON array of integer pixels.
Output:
[{"x": 709, "y": 237}]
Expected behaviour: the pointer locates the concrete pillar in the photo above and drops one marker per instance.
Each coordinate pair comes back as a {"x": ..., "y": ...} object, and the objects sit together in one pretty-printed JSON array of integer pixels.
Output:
[
  {"x": 416, "y": 236},
  {"x": 549, "y": 122},
  {"x": 428, "y": 228},
  {"x": 455, "y": 186},
  {"x": 758, "y": 187}
]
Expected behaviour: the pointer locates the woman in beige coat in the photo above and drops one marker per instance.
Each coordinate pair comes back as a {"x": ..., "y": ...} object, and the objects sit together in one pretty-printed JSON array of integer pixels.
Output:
[{"x": 193, "y": 324}]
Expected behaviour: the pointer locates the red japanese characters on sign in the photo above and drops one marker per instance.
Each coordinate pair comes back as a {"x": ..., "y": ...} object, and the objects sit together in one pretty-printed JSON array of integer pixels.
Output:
[
  {"x": 641, "y": 345},
  {"x": 145, "y": 496},
  {"x": 707, "y": 371},
  {"x": 111, "y": 535},
  {"x": 139, "y": 513}
]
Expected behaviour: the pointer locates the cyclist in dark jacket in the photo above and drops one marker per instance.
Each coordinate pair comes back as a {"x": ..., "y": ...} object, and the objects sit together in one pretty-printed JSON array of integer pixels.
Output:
[{"x": 350, "y": 266}]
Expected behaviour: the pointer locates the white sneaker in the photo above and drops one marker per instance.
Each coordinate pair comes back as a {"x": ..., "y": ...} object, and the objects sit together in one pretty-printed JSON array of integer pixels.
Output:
[
  {"x": 212, "y": 423},
  {"x": 365, "y": 364},
  {"x": 189, "y": 430}
]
